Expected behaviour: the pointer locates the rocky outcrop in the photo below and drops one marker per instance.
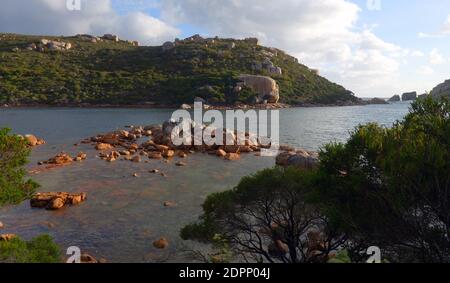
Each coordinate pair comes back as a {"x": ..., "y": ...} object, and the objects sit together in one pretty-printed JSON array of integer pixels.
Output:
[
  {"x": 54, "y": 45},
  {"x": 252, "y": 40},
  {"x": 441, "y": 90},
  {"x": 168, "y": 46},
  {"x": 300, "y": 159},
  {"x": 54, "y": 201},
  {"x": 409, "y": 96},
  {"x": 266, "y": 87},
  {"x": 376, "y": 101},
  {"x": 111, "y": 37},
  {"x": 395, "y": 98}
]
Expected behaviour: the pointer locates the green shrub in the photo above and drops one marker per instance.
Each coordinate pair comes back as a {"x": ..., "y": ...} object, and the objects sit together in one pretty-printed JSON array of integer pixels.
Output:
[
  {"x": 13, "y": 156},
  {"x": 391, "y": 187},
  {"x": 39, "y": 250}
]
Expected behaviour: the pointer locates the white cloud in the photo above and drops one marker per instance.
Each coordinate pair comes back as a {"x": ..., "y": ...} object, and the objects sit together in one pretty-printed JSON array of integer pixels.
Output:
[
  {"x": 446, "y": 26},
  {"x": 444, "y": 31},
  {"x": 51, "y": 17},
  {"x": 321, "y": 33},
  {"x": 436, "y": 58},
  {"x": 425, "y": 70}
]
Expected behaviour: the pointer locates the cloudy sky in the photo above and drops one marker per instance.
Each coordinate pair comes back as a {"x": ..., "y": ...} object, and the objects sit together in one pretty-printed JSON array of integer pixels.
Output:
[{"x": 372, "y": 47}]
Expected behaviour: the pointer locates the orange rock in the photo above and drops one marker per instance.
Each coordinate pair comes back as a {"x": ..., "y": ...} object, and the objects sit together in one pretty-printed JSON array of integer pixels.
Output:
[
  {"x": 221, "y": 153},
  {"x": 32, "y": 140},
  {"x": 7, "y": 237},
  {"x": 103, "y": 146},
  {"x": 161, "y": 243},
  {"x": 168, "y": 154},
  {"x": 232, "y": 156}
]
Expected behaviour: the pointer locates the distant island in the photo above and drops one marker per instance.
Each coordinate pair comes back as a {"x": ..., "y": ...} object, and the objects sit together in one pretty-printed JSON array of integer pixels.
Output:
[{"x": 86, "y": 70}]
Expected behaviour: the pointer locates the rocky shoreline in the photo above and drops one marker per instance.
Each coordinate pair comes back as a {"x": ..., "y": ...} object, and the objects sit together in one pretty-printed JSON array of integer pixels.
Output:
[{"x": 173, "y": 106}]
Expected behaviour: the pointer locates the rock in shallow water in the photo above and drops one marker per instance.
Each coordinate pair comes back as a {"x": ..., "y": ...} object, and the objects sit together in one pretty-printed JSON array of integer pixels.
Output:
[
  {"x": 161, "y": 243},
  {"x": 300, "y": 159},
  {"x": 54, "y": 201}
]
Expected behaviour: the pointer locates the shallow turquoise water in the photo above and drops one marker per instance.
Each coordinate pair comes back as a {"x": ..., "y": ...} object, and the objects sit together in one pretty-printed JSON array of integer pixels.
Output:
[{"x": 124, "y": 215}]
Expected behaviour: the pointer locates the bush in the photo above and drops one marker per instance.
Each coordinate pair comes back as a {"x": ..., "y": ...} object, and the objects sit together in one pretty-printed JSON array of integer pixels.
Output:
[
  {"x": 39, "y": 250},
  {"x": 391, "y": 187},
  {"x": 384, "y": 187},
  {"x": 266, "y": 218},
  {"x": 13, "y": 156}
]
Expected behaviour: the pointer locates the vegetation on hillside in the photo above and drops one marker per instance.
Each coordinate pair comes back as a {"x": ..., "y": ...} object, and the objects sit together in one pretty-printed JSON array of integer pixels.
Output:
[
  {"x": 110, "y": 72},
  {"x": 384, "y": 187}
]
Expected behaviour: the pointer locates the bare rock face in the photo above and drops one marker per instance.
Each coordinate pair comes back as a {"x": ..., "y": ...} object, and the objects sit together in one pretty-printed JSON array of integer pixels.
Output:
[
  {"x": 441, "y": 90},
  {"x": 395, "y": 98},
  {"x": 409, "y": 96},
  {"x": 55, "y": 201},
  {"x": 111, "y": 37},
  {"x": 266, "y": 87}
]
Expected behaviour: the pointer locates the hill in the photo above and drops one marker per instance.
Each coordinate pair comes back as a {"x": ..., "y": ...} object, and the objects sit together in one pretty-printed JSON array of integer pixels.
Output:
[{"x": 87, "y": 70}]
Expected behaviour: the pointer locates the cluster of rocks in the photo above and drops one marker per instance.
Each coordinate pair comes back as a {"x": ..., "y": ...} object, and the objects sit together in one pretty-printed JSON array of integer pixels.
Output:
[
  {"x": 301, "y": 159},
  {"x": 267, "y": 65},
  {"x": 127, "y": 145},
  {"x": 64, "y": 159},
  {"x": 55, "y": 201},
  {"x": 111, "y": 37},
  {"x": 52, "y": 45}
]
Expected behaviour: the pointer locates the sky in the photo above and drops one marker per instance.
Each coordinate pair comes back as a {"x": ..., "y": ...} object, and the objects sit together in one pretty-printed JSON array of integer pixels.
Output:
[{"x": 375, "y": 48}]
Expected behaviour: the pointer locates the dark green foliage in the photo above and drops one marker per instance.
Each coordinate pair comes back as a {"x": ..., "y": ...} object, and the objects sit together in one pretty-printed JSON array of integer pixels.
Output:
[
  {"x": 13, "y": 156},
  {"x": 388, "y": 188},
  {"x": 266, "y": 218},
  {"x": 391, "y": 187},
  {"x": 39, "y": 250},
  {"x": 119, "y": 73}
]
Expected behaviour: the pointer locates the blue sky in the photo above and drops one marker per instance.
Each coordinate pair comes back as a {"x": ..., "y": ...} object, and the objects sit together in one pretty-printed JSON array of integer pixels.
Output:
[{"x": 403, "y": 46}]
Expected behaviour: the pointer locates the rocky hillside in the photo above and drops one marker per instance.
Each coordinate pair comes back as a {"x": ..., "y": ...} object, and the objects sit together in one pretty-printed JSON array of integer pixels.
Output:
[
  {"x": 89, "y": 70},
  {"x": 442, "y": 89}
]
